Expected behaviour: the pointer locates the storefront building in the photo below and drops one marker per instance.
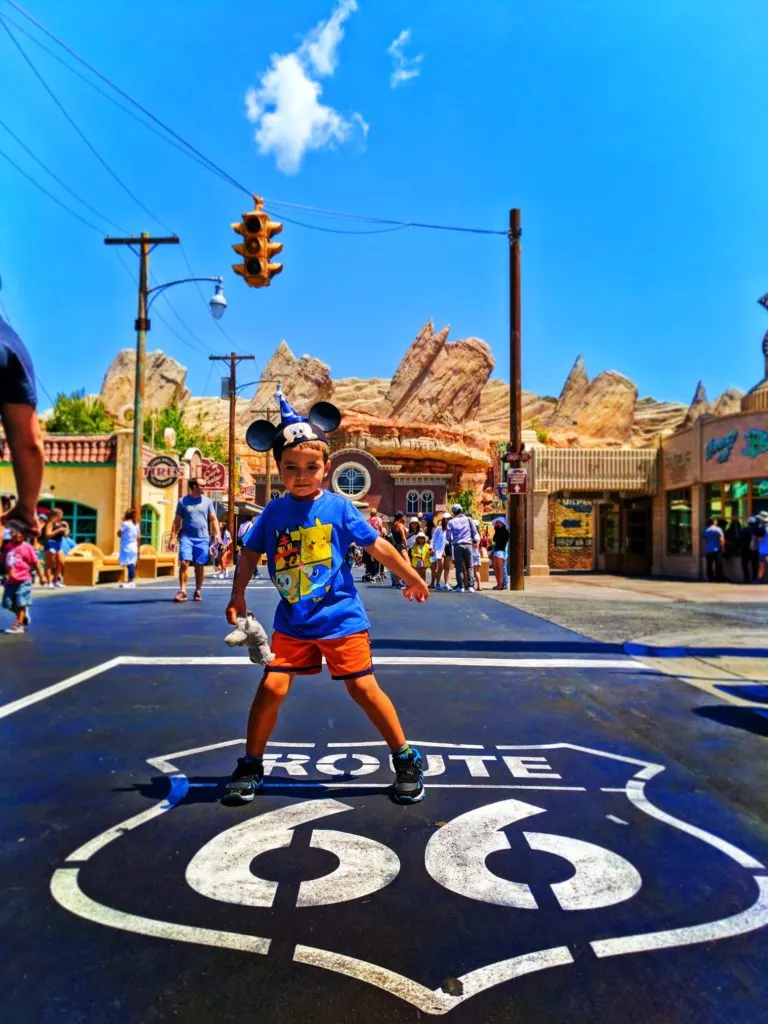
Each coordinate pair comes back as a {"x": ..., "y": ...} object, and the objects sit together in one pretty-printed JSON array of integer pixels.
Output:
[{"x": 89, "y": 479}]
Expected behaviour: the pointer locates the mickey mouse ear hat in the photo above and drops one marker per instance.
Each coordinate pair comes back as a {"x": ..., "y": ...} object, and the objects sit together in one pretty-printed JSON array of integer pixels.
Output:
[{"x": 293, "y": 429}]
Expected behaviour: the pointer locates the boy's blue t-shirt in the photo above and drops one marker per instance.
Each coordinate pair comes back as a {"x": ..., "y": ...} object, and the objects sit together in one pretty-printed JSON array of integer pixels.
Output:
[{"x": 305, "y": 543}]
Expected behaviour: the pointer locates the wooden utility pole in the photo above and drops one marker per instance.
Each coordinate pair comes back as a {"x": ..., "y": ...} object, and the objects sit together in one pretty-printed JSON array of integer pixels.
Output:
[
  {"x": 233, "y": 359},
  {"x": 145, "y": 244},
  {"x": 515, "y": 501}
]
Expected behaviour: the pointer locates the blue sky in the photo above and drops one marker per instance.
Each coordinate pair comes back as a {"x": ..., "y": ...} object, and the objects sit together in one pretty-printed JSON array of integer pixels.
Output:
[{"x": 631, "y": 135}]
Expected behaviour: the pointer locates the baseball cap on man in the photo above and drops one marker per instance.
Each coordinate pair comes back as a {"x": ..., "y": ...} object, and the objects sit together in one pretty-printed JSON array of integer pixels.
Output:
[{"x": 456, "y": 508}]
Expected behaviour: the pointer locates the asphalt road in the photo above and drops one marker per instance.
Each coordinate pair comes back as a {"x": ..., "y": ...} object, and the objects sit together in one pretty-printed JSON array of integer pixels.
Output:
[{"x": 591, "y": 846}]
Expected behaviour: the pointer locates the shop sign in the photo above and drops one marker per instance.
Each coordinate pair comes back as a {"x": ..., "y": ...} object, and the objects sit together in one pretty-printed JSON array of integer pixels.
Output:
[
  {"x": 573, "y": 523},
  {"x": 248, "y": 492},
  {"x": 755, "y": 443},
  {"x": 214, "y": 475},
  {"x": 678, "y": 465},
  {"x": 517, "y": 481},
  {"x": 722, "y": 447},
  {"x": 162, "y": 471}
]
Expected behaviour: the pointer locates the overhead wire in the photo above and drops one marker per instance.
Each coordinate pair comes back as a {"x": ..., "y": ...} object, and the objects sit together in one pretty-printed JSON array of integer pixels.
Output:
[
  {"x": 225, "y": 176},
  {"x": 50, "y": 195},
  {"x": 77, "y": 128},
  {"x": 57, "y": 179}
]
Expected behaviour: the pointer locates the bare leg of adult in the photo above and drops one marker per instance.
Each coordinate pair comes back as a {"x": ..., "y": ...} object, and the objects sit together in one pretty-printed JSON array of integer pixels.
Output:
[
  {"x": 60, "y": 566},
  {"x": 49, "y": 567},
  {"x": 498, "y": 571},
  {"x": 183, "y": 570},
  {"x": 447, "y": 562},
  {"x": 199, "y": 577}
]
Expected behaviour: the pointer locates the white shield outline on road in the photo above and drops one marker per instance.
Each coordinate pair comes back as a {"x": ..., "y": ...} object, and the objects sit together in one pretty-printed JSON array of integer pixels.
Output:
[{"x": 66, "y": 890}]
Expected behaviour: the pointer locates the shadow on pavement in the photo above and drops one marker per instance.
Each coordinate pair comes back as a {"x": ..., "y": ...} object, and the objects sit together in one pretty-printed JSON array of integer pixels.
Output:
[
  {"x": 735, "y": 717},
  {"x": 209, "y": 789},
  {"x": 553, "y": 647}
]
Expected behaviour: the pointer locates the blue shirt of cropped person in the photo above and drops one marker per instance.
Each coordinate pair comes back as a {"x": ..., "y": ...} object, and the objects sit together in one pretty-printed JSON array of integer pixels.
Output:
[
  {"x": 17, "y": 375},
  {"x": 305, "y": 543}
]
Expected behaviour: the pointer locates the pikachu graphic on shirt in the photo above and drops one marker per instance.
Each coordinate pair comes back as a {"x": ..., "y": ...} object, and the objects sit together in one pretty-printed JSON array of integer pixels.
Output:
[{"x": 316, "y": 559}]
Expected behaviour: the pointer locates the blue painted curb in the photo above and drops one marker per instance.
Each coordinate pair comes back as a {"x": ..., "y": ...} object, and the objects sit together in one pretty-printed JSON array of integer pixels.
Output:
[{"x": 646, "y": 651}]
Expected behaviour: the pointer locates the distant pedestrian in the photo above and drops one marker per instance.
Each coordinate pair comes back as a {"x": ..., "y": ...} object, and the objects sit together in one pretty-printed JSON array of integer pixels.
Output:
[
  {"x": 130, "y": 539},
  {"x": 499, "y": 547},
  {"x": 437, "y": 549},
  {"x": 18, "y": 402},
  {"x": 476, "y": 557},
  {"x": 55, "y": 531},
  {"x": 463, "y": 535},
  {"x": 373, "y": 568},
  {"x": 20, "y": 564},
  {"x": 195, "y": 524},
  {"x": 748, "y": 544},
  {"x": 714, "y": 542},
  {"x": 243, "y": 530},
  {"x": 414, "y": 526},
  {"x": 221, "y": 551},
  {"x": 399, "y": 539},
  {"x": 420, "y": 554},
  {"x": 762, "y": 545}
]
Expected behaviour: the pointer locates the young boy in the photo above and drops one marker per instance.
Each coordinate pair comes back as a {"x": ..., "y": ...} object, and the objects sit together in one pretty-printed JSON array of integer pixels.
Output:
[
  {"x": 306, "y": 535},
  {"x": 20, "y": 564}
]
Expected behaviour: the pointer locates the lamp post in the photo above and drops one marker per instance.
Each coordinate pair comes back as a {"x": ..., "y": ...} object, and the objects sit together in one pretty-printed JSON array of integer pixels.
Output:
[{"x": 143, "y": 245}]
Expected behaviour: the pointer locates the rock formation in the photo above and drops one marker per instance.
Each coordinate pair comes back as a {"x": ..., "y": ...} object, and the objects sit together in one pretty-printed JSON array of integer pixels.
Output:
[
  {"x": 699, "y": 405},
  {"x": 165, "y": 384},
  {"x": 440, "y": 399},
  {"x": 304, "y": 382},
  {"x": 728, "y": 402}
]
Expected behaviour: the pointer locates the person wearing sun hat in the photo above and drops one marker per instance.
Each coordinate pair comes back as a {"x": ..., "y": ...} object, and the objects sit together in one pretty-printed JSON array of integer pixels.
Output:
[{"x": 306, "y": 535}]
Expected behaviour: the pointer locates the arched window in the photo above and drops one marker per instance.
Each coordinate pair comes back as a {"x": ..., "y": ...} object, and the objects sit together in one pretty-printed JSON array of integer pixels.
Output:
[
  {"x": 412, "y": 503},
  {"x": 427, "y": 502},
  {"x": 82, "y": 520},
  {"x": 150, "y": 526},
  {"x": 351, "y": 479}
]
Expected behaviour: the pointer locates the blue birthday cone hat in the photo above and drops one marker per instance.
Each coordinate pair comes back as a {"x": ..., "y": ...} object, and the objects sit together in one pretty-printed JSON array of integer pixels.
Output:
[{"x": 293, "y": 428}]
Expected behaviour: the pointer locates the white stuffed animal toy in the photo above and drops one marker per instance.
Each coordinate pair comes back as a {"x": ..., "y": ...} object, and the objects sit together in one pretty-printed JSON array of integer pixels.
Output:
[{"x": 249, "y": 632}]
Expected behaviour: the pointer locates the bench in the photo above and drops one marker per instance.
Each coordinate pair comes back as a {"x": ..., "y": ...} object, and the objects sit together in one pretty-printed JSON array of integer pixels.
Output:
[
  {"x": 152, "y": 564},
  {"x": 86, "y": 565}
]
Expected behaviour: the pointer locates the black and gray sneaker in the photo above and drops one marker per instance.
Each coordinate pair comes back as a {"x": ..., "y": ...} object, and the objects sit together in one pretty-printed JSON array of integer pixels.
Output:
[
  {"x": 245, "y": 782},
  {"x": 408, "y": 787}
]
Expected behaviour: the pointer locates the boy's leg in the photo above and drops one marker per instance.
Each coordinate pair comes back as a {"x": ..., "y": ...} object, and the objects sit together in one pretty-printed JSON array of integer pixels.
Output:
[
  {"x": 262, "y": 719},
  {"x": 369, "y": 696}
]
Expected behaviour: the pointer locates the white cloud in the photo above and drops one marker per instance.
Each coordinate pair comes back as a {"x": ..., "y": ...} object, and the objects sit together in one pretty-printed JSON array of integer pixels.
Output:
[
  {"x": 403, "y": 68},
  {"x": 364, "y": 126},
  {"x": 285, "y": 106}
]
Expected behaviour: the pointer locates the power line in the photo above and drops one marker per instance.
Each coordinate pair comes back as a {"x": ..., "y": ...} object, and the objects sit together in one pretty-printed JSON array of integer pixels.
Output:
[
  {"x": 190, "y": 149},
  {"x": 200, "y": 293},
  {"x": 76, "y": 127},
  {"x": 102, "y": 92},
  {"x": 159, "y": 316},
  {"x": 50, "y": 195},
  {"x": 56, "y": 178}
]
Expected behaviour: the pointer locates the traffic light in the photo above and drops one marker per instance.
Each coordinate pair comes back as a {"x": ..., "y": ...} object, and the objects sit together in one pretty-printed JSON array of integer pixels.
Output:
[{"x": 257, "y": 247}]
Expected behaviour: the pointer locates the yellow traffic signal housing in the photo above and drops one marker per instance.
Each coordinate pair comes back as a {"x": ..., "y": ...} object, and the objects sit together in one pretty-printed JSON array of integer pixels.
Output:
[{"x": 257, "y": 248}]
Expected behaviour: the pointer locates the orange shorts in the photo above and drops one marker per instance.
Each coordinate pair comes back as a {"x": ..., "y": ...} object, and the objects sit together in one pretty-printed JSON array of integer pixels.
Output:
[{"x": 347, "y": 657}]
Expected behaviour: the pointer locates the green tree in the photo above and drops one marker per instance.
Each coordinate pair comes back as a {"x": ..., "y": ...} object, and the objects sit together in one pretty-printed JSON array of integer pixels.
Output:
[
  {"x": 78, "y": 414},
  {"x": 467, "y": 498},
  {"x": 187, "y": 435}
]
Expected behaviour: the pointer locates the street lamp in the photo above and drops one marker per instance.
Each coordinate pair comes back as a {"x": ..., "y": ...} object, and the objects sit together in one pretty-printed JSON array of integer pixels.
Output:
[
  {"x": 143, "y": 245},
  {"x": 218, "y": 303}
]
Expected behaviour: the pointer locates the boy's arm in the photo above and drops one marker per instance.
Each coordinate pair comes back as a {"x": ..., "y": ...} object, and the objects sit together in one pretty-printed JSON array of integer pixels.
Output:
[
  {"x": 390, "y": 557},
  {"x": 246, "y": 566}
]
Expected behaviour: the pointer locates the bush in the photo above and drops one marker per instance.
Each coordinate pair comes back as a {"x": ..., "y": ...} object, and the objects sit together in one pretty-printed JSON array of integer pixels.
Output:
[{"x": 76, "y": 414}]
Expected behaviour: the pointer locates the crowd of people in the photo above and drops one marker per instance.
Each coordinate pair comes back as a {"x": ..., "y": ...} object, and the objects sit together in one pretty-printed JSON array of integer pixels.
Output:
[
  {"x": 436, "y": 545},
  {"x": 729, "y": 545}
]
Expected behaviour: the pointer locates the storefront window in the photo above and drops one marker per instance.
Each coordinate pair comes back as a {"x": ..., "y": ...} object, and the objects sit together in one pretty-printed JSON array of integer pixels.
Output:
[
  {"x": 427, "y": 503},
  {"x": 680, "y": 522},
  {"x": 412, "y": 503},
  {"x": 759, "y": 497},
  {"x": 730, "y": 500},
  {"x": 150, "y": 524},
  {"x": 82, "y": 520}
]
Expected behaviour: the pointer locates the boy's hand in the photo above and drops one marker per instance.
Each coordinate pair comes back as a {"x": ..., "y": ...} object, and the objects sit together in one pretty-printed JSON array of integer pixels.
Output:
[
  {"x": 418, "y": 591},
  {"x": 236, "y": 609}
]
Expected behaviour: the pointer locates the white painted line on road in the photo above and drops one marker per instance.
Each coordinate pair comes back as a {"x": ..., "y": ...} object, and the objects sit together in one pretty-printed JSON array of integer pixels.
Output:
[
  {"x": 225, "y": 661},
  {"x": 50, "y": 691},
  {"x": 619, "y": 821},
  {"x": 163, "y": 764},
  {"x": 585, "y": 750},
  {"x": 418, "y": 743},
  {"x": 65, "y": 889},
  {"x": 428, "y": 1000},
  {"x": 431, "y": 785},
  {"x": 748, "y": 920}
]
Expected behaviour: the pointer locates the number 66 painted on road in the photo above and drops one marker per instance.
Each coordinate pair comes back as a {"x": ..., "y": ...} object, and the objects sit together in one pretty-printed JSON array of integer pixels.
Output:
[{"x": 454, "y": 857}]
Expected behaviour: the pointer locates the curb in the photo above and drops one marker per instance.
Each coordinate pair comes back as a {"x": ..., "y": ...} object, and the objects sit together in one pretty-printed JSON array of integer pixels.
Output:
[{"x": 638, "y": 650}]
